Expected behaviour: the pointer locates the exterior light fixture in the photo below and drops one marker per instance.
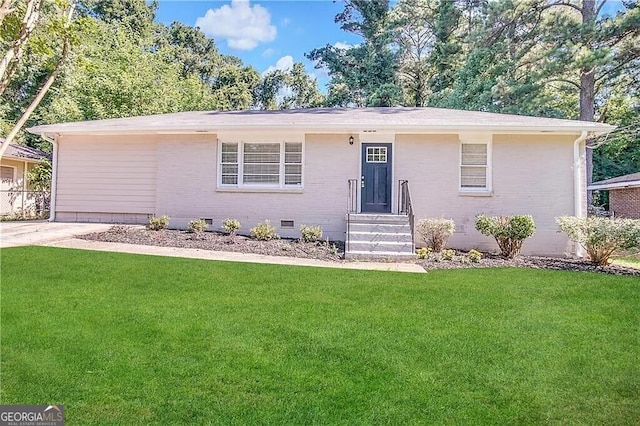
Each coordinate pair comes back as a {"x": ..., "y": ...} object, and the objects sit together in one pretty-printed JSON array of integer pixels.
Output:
[{"x": 350, "y": 140}]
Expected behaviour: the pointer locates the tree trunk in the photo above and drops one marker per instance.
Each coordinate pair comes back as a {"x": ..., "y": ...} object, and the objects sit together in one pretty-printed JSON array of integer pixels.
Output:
[
  {"x": 11, "y": 58},
  {"x": 36, "y": 101},
  {"x": 5, "y": 9},
  {"x": 45, "y": 87}
]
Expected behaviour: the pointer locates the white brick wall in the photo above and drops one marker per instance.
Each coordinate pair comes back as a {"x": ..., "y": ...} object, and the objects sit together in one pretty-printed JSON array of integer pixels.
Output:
[{"x": 105, "y": 178}]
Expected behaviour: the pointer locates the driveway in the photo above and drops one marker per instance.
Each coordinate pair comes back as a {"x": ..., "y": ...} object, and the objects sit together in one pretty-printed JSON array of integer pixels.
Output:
[{"x": 29, "y": 233}]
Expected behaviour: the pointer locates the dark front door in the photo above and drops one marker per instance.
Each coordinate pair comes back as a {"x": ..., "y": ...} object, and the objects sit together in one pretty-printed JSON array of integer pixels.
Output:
[{"x": 375, "y": 181}]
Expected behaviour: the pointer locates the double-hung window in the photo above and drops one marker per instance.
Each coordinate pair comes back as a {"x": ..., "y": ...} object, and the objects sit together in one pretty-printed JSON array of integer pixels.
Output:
[
  {"x": 475, "y": 173},
  {"x": 261, "y": 165}
]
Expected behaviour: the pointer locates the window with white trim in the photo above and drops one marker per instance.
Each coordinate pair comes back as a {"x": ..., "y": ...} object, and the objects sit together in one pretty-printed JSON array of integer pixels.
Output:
[
  {"x": 260, "y": 164},
  {"x": 474, "y": 167}
]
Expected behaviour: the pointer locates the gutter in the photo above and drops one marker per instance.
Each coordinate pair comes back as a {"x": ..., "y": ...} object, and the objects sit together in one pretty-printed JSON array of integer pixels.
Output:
[
  {"x": 54, "y": 175},
  {"x": 577, "y": 189},
  {"x": 607, "y": 186}
]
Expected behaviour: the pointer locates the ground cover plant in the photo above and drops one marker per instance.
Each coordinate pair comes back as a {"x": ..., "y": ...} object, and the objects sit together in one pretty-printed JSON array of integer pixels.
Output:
[{"x": 129, "y": 339}]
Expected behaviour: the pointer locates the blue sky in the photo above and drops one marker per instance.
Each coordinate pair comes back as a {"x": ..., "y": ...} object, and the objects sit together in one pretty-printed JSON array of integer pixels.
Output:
[
  {"x": 270, "y": 34},
  {"x": 263, "y": 33}
]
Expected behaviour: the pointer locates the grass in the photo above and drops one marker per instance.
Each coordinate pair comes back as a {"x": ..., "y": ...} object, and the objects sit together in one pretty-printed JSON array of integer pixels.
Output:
[{"x": 127, "y": 339}]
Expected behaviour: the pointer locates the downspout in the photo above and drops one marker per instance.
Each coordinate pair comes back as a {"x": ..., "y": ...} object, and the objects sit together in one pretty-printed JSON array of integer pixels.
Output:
[
  {"x": 54, "y": 176},
  {"x": 25, "y": 186},
  {"x": 577, "y": 187}
]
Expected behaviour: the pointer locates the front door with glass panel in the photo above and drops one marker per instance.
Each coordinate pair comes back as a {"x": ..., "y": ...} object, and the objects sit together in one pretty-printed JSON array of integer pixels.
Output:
[{"x": 375, "y": 182}]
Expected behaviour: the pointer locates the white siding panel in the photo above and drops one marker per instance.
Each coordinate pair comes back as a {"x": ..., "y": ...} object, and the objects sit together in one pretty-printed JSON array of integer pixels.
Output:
[{"x": 100, "y": 174}]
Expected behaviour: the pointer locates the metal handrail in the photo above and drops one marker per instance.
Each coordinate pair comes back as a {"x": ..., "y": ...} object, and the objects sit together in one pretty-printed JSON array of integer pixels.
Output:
[
  {"x": 405, "y": 206},
  {"x": 352, "y": 207}
]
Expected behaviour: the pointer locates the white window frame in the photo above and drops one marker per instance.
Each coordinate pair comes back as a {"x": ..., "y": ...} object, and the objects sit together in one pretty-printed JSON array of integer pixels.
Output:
[
  {"x": 14, "y": 179},
  {"x": 280, "y": 186},
  {"x": 479, "y": 139}
]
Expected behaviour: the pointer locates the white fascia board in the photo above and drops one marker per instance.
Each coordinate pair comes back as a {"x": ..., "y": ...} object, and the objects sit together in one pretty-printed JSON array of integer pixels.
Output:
[
  {"x": 630, "y": 184},
  {"x": 330, "y": 128}
]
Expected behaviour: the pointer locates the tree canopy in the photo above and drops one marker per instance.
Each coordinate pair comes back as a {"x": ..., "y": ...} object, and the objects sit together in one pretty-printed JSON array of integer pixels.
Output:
[{"x": 68, "y": 60}]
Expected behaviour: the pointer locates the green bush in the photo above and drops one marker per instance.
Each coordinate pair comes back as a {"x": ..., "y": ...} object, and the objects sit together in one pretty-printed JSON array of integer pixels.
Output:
[
  {"x": 474, "y": 256},
  {"x": 158, "y": 223},
  {"x": 264, "y": 231},
  {"x": 435, "y": 231},
  {"x": 197, "y": 226},
  {"x": 600, "y": 236},
  {"x": 311, "y": 234},
  {"x": 231, "y": 225},
  {"x": 508, "y": 231}
]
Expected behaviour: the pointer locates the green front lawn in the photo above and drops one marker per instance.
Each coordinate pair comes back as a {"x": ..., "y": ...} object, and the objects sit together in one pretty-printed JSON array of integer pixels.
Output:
[{"x": 127, "y": 339}]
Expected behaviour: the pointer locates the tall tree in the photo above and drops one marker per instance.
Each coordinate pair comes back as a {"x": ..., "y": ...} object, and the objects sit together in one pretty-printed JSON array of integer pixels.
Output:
[
  {"x": 288, "y": 89},
  {"x": 593, "y": 52},
  {"x": 413, "y": 23},
  {"x": 369, "y": 70},
  {"x": 59, "y": 31}
]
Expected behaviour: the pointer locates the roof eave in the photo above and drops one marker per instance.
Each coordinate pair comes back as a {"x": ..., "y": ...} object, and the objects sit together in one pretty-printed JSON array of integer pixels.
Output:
[{"x": 52, "y": 130}]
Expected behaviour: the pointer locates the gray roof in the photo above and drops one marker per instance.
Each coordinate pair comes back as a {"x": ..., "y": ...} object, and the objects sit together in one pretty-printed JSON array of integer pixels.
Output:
[
  {"x": 25, "y": 153},
  {"x": 324, "y": 119},
  {"x": 630, "y": 180}
]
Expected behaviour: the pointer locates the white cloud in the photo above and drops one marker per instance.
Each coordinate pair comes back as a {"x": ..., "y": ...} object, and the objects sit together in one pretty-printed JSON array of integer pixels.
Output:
[
  {"x": 242, "y": 25},
  {"x": 343, "y": 45},
  {"x": 268, "y": 52},
  {"x": 283, "y": 64},
  {"x": 285, "y": 21}
]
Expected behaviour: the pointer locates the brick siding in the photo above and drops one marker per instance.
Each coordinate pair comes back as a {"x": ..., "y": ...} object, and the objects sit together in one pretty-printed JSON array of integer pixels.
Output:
[{"x": 625, "y": 202}]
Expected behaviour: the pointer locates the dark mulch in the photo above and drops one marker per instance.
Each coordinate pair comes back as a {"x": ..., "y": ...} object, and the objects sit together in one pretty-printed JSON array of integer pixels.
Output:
[
  {"x": 536, "y": 262},
  {"x": 324, "y": 250},
  {"x": 330, "y": 250}
]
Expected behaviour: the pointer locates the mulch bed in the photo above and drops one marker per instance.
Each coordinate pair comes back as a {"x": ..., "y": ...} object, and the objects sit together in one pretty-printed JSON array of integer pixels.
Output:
[{"x": 329, "y": 250}]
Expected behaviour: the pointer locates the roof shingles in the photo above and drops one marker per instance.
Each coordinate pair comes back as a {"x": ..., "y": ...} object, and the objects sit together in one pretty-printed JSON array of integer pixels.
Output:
[
  {"x": 336, "y": 119},
  {"x": 23, "y": 152}
]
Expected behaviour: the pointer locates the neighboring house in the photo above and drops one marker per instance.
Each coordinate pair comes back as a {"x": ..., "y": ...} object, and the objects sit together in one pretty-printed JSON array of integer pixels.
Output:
[
  {"x": 624, "y": 194},
  {"x": 16, "y": 196},
  {"x": 328, "y": 167}
]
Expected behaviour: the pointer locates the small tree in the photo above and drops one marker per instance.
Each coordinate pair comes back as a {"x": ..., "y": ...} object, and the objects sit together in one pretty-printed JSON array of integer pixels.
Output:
[
  {"x": 600, "y": 236},
  {"x": 435, "y": 232},
  {"x": 508, "y": 231}
]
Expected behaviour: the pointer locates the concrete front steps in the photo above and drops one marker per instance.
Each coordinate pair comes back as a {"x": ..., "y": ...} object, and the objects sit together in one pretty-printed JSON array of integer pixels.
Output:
[{"x": 379, "y": 236}]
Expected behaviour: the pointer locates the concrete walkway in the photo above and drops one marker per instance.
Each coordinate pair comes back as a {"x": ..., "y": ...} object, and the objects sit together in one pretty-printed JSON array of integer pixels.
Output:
[
  {"x": 40, "y": 232},
  {"x": 231, "y": 256},
  {"x": 57, "y": 234}
]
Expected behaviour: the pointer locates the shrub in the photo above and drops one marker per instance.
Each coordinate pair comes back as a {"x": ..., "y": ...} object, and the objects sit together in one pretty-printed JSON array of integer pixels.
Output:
[
  {"x": 158, "y": 223},
  {"x": 448, "y": 254},
  {"x": 435, "y": 232},
  {"x": 424, "y": 252},
  {"x": 197, "y": 226},
  {"x": 508, "y": 231},
  {"x": 474, "y": 256},
  {"x": 264, "y": 231},
  {"x": 311, "y": 234},
  {"x": 231, "y": 226},
  {"x": 600, "y": 236}
]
